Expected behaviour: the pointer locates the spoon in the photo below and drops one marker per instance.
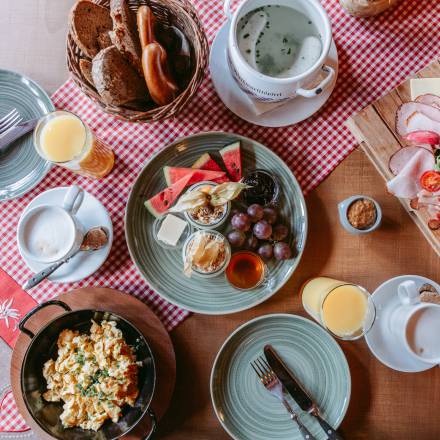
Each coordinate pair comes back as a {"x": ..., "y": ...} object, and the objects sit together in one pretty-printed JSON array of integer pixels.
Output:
[{"x": 95, "y": 239}]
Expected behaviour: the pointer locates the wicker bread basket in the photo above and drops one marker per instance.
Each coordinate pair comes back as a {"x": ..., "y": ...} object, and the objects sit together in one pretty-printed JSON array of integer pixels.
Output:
[{"x": 169, "y": 12}]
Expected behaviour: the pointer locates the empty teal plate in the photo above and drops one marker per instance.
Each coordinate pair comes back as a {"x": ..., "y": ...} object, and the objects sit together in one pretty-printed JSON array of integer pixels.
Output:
[
  {"x": 246, "y": 410},
  {"x": 21, "y": 168},
  {"x": 163, "y": 268}
]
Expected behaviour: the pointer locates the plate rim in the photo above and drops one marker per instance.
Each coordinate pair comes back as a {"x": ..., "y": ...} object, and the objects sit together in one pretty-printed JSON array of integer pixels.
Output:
[
  {"x": 262, "y": 318},
  {"x": 48, "y": 166},
  {"x": 130, "y": 244}
]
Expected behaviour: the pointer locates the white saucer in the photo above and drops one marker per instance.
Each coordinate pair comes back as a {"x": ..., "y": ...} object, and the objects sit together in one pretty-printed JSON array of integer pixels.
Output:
[
  {"x": 292, "y": 112},
  {"x": 91, "y": 213},
  {"x": 380, "y": 340}
]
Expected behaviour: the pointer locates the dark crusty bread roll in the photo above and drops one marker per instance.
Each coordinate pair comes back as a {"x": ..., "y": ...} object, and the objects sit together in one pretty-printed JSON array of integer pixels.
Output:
[
  {"x": 124, "y": 35},
  {"x": 115, "y": 78},
  {"x": 86, "y": 69},
  {"x": 88, "y": 22}
]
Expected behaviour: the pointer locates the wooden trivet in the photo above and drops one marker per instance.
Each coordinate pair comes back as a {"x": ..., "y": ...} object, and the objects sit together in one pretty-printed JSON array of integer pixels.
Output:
[{"x": 134, "y": 311}]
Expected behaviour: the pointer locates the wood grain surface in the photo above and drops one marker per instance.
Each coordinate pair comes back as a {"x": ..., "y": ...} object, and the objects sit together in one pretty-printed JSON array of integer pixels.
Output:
[
  {"x": 385, "y": 404},
  {"x": 129, "y": 308},
  {"x": 374, "y": 128}
]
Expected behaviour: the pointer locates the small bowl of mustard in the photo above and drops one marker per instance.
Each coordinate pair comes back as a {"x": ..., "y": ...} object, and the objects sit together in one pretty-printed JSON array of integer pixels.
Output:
[{"x": 360, "y": 214}]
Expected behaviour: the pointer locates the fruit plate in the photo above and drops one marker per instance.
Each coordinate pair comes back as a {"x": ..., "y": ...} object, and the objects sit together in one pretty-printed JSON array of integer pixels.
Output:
[{"x": 163, "y": 269}]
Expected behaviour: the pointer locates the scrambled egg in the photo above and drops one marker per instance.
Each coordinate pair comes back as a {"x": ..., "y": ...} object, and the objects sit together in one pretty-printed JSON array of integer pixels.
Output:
[{"x": 95, "y": 375}]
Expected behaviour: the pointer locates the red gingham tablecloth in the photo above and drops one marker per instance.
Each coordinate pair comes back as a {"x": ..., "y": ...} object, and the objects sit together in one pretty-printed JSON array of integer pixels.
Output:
[{"x": 374, "y": 54}]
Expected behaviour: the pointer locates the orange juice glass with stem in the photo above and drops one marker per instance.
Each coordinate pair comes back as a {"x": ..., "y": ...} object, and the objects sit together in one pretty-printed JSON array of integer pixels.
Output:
[
  {"x": 346, "y": 310},
  {"x": 62, "y": 138}
]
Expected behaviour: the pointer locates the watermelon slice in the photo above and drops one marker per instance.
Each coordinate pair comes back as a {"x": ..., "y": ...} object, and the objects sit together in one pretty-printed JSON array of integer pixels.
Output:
[
  {"x": 232, "y": 158},
  {"x": 206, "y": 162},
  {"x": 173, "y": 175},
  {"x": 160, "y": 203}
]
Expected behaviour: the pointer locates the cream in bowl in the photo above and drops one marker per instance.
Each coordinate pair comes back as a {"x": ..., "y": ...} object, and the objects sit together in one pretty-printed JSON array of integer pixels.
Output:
[
  {"x": 206, "y": 253},
  {"x": 206, "y": 205}
]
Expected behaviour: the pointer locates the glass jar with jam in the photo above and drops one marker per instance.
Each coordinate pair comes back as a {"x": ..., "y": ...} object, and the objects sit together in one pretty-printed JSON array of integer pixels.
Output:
[{"x": 264, "y": 188}]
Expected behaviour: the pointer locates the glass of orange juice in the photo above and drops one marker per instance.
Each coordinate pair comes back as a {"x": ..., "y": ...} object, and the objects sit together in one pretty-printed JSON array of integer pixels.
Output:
[
  {"x": 64, "y": 139},
  {"x": 346, "y": 310}
]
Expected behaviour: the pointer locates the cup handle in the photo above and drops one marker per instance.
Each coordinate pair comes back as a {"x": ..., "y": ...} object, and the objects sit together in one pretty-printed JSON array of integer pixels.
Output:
[
  {"x": 227, "y": 9},
  {"x": 311, "y": 93},
  {"x": 73, "y": 199},
  {"x": 408, "y": 293}
]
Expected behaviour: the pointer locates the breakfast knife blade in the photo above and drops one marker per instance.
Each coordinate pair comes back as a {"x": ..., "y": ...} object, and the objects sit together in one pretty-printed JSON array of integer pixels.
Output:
[
  {"x": 297, "y": 391},
  {"x": 16, "y": 132}
]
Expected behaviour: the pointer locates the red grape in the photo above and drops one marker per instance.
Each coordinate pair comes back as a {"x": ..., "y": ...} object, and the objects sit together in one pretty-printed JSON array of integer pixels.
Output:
[
  {"x": 255, "y": 212},
  {"x": 236, "y": 238},
  {"x": 266, "y": 251},
  {"x": 282, "y": 251},
  {"x": 251, "y": 243},
  {"x": 262, "y": 230},
  {"x": 241, "y": 222},
  {"x": 270, "y": 215},
  {"x": 279, "y": 232}
]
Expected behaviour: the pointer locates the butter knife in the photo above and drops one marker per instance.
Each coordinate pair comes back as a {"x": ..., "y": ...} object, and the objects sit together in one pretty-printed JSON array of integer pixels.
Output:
[
  {"x": 16, "y": 132},
  {"x": 296, "y": 390}
]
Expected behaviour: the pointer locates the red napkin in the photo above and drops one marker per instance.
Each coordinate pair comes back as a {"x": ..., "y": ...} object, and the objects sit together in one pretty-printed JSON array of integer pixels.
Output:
[{"x": 14, "y": 304}]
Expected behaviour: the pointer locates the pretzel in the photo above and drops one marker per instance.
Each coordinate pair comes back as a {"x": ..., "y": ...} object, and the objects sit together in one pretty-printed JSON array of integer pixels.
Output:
[{"x": 161, "y": 85}]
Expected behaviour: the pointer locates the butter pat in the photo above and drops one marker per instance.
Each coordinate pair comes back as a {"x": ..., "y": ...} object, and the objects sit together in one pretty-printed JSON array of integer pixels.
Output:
[
  {"x": 171, "y": 230},
  {"x": 424, "y": 86}
]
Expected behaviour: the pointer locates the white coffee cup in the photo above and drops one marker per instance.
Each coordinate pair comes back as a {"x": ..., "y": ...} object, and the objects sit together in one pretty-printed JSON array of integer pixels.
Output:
[
  {"x": 416, "y": 325},
  {"x": 269, "y": 89},
  {"x": 49, "y": 233}
]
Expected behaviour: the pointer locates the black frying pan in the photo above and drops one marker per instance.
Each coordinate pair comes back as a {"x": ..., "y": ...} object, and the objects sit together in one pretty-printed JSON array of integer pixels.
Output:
[{"x": 43, "y": 346}]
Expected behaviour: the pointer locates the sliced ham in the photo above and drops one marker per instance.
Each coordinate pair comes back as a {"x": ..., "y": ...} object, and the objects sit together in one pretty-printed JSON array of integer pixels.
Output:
[
  {"x": 401, "y": 157},
  {"x": 429, "y": 99},
  {"x": 428, "y": 138},
  {"x": 416, "y": 116},
  {"x": 407, "y": 183}
]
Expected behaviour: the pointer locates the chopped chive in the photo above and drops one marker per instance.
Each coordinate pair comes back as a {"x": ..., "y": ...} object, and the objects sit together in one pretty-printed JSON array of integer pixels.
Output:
[
  {"x": 246, "y": 36},
  {"x": 289, "y": 51},
  {"x": 248, "y": 51}
]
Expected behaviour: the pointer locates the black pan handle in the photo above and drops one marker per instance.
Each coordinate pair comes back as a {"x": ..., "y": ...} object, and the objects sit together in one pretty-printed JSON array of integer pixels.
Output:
[
  {"x": 152, "y": 415},
  {"x": 53, "y": 302}
]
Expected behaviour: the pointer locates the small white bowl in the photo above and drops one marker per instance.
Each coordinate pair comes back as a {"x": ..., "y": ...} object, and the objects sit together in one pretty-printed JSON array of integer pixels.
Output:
[
  {"x": 221, "y": 269},
  {"x": 216, "y": 225},
  {"x": 343, "y": 211}
]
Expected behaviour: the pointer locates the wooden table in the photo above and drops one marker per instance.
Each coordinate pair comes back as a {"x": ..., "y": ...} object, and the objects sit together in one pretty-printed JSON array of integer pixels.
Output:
[{"x": 385, "y": 405}]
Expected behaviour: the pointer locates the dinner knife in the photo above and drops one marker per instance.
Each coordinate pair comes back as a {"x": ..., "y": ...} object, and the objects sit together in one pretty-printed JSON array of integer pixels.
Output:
[
  {"x": 15, "y": 132},
  {"x": 296, "y": 390}
]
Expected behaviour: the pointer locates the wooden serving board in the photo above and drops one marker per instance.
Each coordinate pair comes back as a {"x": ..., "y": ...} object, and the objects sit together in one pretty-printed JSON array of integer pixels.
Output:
[
  {"x": 374, "y": 129},
  {"x": 129, "y": 308}
]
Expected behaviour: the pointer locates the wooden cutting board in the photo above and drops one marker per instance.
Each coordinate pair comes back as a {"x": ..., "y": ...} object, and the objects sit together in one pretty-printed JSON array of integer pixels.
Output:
[{"x": 374, "y": 129}]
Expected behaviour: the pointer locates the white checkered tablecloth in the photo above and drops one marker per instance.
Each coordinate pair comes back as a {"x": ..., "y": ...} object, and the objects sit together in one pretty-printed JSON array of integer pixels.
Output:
[{"x": 375, "y": 55}]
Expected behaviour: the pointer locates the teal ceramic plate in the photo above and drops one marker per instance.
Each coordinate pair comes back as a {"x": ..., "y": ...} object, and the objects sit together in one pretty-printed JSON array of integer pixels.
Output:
[
  {"x": 21, "y": 168},
  {"x": 163, "y": 269},
  {"x": 246, "y": 410}
]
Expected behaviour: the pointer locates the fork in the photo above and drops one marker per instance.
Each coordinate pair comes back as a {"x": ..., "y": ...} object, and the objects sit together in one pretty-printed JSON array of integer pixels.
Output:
[
  {"x": 272, "y": 384},
  {"x": 10, "y": 120}
]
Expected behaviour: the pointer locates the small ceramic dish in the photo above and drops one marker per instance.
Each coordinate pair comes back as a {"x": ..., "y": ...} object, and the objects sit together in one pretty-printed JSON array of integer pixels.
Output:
[
  {"x": 215, "y": 225},
  {"x": 182, "y": 239},
  {"x": 343, "y": 215},
  {"x": 227, "y": 258}
]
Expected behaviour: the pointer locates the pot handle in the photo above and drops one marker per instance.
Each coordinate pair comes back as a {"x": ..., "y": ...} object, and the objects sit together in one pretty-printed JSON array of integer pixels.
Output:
[
  {"x": 311, "y": 93},
  {"x": 53, "y": 302},
  {"x": 152, "y": 415}
]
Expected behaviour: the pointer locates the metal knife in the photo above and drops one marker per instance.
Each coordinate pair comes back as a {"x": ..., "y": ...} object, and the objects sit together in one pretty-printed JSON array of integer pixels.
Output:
[
  {"x": 296, "y": 390},
  {"x": 15, "y": 132}
]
